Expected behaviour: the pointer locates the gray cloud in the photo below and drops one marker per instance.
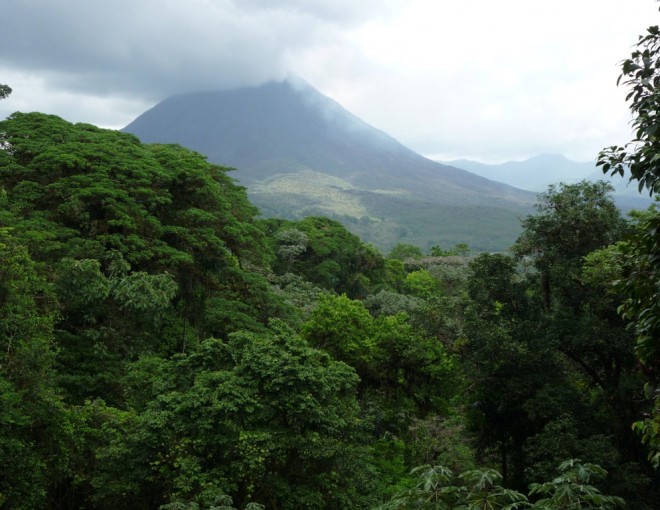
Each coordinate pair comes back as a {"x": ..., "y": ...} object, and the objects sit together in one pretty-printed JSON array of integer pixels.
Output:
[
  {"x": 489, "y": 80},
  {"x": 154, "y": 48}
]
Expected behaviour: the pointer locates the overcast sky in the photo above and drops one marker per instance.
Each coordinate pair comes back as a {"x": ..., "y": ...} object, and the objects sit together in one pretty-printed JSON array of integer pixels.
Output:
[{"x": 479, "y": 79}]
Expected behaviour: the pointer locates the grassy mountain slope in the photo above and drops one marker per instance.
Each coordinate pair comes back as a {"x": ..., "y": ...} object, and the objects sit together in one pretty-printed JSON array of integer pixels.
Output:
[{"x": 300, "y": 153}]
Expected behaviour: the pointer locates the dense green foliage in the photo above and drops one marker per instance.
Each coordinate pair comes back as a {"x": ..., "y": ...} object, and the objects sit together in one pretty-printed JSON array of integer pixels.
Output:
[
  {"x": 563, "y": 362},
  {"x": 323, "y": 252},
  {"x": 639, "y": 255},
  {"x": 163, "y": 347}
]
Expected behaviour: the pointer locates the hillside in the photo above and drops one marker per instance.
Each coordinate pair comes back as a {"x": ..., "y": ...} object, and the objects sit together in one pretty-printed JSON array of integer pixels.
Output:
[{"x": 300, "y": 153}]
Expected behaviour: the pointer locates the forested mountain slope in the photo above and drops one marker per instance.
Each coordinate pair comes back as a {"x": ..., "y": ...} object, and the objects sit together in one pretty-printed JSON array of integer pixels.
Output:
[{"x": 301, "y": 153}]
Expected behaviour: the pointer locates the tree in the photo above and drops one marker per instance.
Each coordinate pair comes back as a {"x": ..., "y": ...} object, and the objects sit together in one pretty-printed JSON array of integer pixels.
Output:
[
  {"x": 573, "y": 220},
  {"x": 579, "y": 320},
  {"x": 421, "y": 283},
  {"x": 403, "y": 251},
  {"x": 546, "y": 344},
  {"x": 149, "y": 247},
  {"x": 344, "y": 328},
  {"x": 5, "y": 90},
  {"x": 323, "y": 252},
  {"x": 461, "y": 249},
  {"x": 35, "y": 428},
  {"x": 508, "y": 365},
  {"x": 640, "y": 74}
]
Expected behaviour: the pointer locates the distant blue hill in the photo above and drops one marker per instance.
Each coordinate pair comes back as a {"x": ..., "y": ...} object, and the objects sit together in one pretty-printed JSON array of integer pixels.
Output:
[{"x": 537, "y": 173}]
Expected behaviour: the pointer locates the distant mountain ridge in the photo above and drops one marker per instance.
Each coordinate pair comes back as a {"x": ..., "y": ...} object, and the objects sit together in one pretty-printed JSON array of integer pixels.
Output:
[
  {"x": 300, "y": 153},
  {"x": 537, "y": 173},
  {"x": 533, "y": 174}
]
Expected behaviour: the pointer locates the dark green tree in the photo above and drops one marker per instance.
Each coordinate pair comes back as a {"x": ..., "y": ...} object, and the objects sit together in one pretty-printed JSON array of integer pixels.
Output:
[
  {"x": 149, "y": 247},
  {"x": 572, "y": 221},
  {"x": 581, "y": 321},
  {"x": 548, "y": 348},
  {"x": 323, "y": 252},
  {"x": 35, "y": 427},
  {"x": 506, "y": 366},
  {"x": 403, "y": 251}
]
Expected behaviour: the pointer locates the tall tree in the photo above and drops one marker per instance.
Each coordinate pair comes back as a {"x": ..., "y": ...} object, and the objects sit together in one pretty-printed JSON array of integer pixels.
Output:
[
  {"x": 573, "y": 221},
  {"x": 579, "y": 319},
  {"x": 506, "y": 365}
]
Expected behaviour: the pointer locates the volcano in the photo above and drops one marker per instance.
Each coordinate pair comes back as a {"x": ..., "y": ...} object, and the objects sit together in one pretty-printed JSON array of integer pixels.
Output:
[{"x": 300, "y": 153}]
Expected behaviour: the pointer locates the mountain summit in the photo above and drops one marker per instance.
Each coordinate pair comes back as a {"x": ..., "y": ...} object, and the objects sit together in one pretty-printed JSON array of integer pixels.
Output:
[{"x": 300, "y": 153}]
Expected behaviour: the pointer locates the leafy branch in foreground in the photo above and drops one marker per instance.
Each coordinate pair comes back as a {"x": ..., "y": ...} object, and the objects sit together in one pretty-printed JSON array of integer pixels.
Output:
[
  {"x": 571, "y": 489},
  {"x": 641, "y": 283},
  {"x": 641, "y": 74},
  {"x": 221, "y": 502},
  {"x": 438, "y": 488}
]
